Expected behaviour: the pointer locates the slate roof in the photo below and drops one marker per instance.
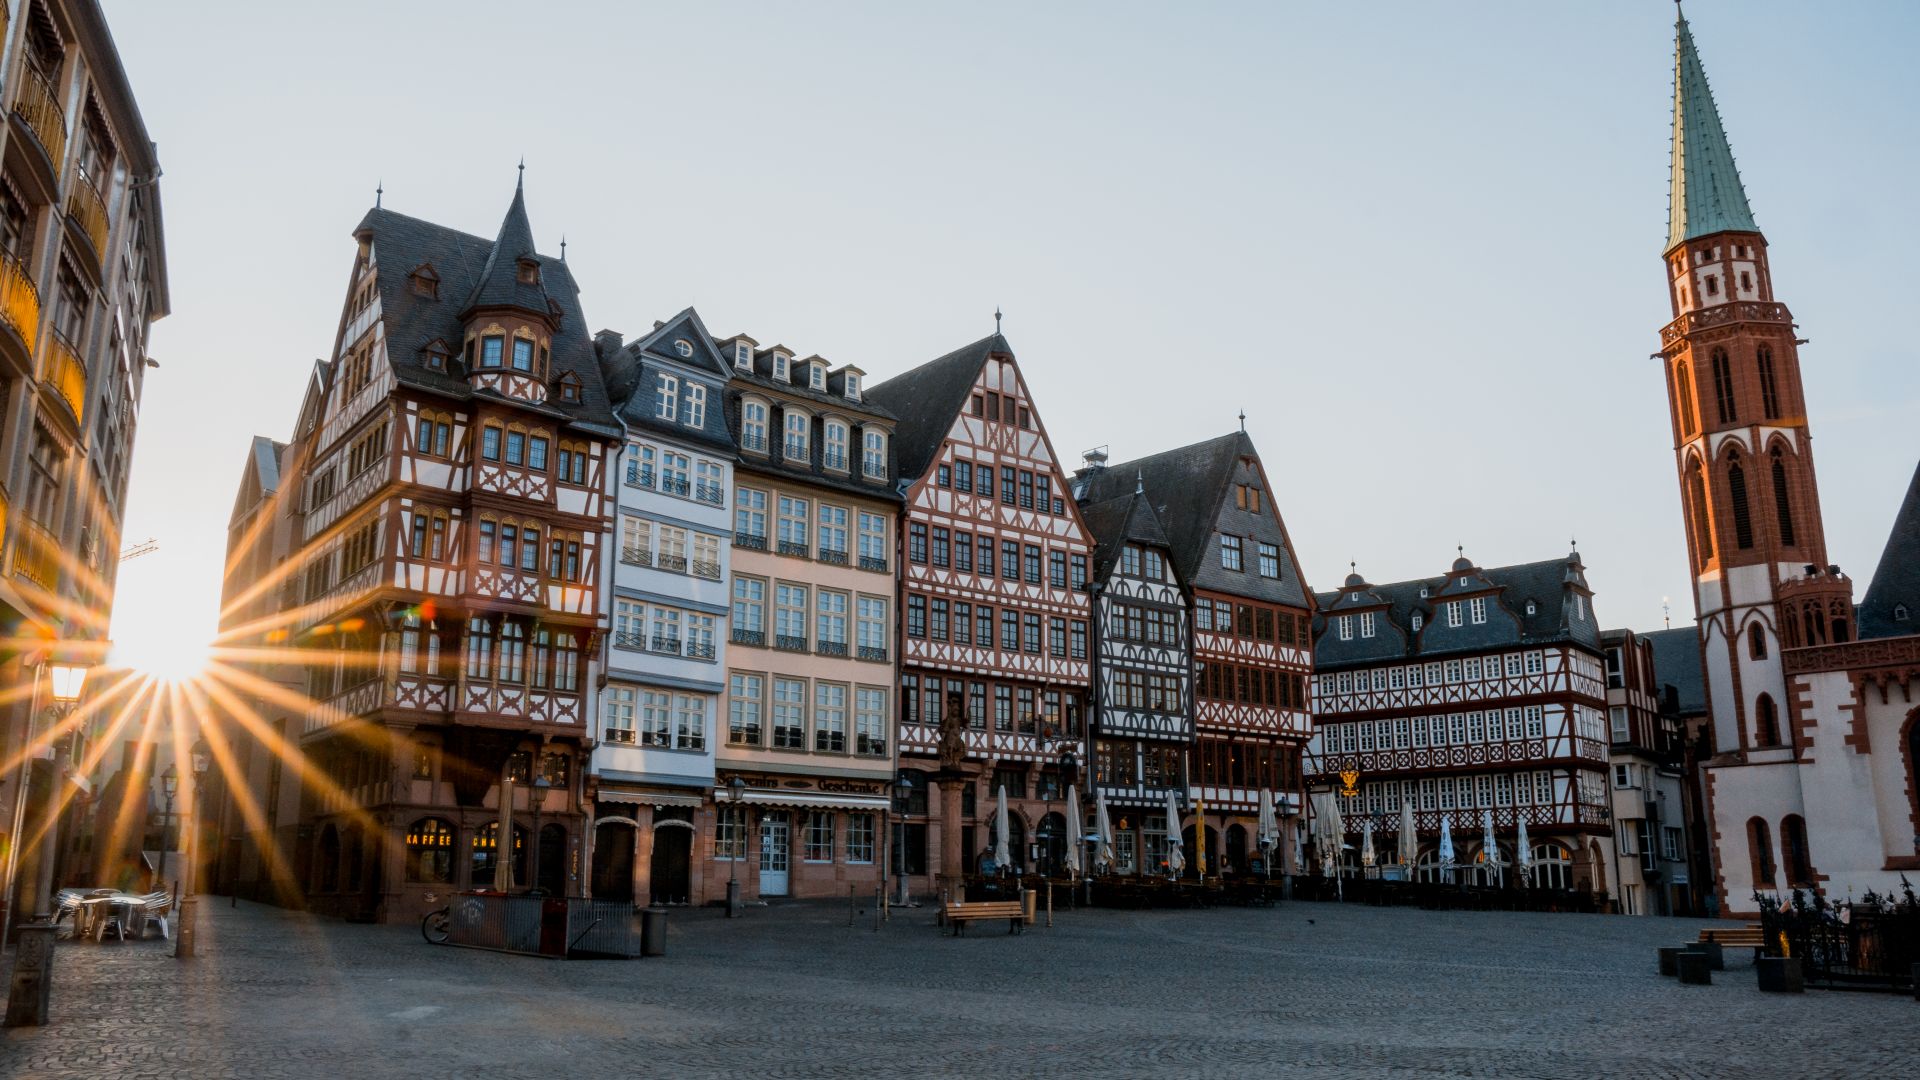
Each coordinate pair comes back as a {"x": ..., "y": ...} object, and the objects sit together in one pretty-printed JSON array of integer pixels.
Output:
[
  {"x": 1111, "y": 524},
  {"x": 1676, "y": 663},
  {"x": 462, "y": 260},
  {"x": 822, "y": 403},
  {"x": 1706, "y": 195},
  {"x": 927, "y": 398},
  {"x": 1896, "y": 581},
  {"x": 637, "y": 370},
  {"x": 1554, "y": 619}
]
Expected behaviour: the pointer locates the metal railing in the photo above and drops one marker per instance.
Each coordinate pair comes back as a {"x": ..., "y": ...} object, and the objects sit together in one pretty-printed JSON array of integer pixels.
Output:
[
  {"x": 710, "y": 493},
  {"x": 1873, "y": 944},
  {"x": 873, "y": 562},
  {"x": 709, "y": 570},
  {"x": 37, "y": 104},
  {"x": 629, "y": 641},
  {"x": 674, "y": 485},
  {"x": 794, "y": 547},
  {"x": 543, "y": 925},
  {"x": 675, "y": 563},
  {"x": 872, "y": 652},
  {"x": 755, "y": 443},
  {"x": 89, "y": 210},
  {"x": 636, "y": 556},
  {"x": 830, "y": 648},
  {"x": 794, "y": 450},
  {"x": 748, "y": 637},
  {"x": 750, "y": 541},
  {"x": 790, "y": 643},
  {"x": 19, "y": 300},
  {"x": 640, "y": 477},
  {"x": 836, "y": 556},
  {"x": 662, "y": 644},
  {"x": 873, "y": 468},
  {"x": 61, "y": 369},
  {"x": 36, "y": 555},
  {"x": 834, "y": 459},
  {"x": 700, "y": 650}
]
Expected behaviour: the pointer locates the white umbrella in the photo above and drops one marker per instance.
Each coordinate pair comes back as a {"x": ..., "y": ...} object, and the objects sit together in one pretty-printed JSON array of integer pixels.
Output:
[
  {"x": 1103, "y": 853},
  {"x": 1001, "y": 857},
  {"x": 1523, "y": 854},
  {"x": 1489, "y": 847},
  {"x": 1075, "y": 826},
  {"x": 1366, "y": 845},
  {"x": 1268, "y": 830},
  {"x": 1446, "y": 846},
  {"x": 1325, "y": 833},
  {"x": 1409, "y": 836},
  {"x": 1176, "y": 858},
  {"x": 1299, "y": 843}
]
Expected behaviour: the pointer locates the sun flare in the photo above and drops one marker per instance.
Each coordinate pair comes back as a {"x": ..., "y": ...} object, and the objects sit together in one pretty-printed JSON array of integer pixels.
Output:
[{"x": 161, "y": 648}]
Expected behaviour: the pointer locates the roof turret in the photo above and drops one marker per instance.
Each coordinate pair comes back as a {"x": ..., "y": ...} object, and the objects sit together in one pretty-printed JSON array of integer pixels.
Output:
[
  {"x": 1706, "y": 196},
  {"x": 511, "y": 277}
]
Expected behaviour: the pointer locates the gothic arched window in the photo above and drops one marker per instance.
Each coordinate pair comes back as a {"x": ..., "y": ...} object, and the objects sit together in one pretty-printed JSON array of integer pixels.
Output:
[
  {"x": 1697, "y": 495},
  {"x": 1766, "y": 721},
  {"x": 1769, "y": 394},
  {"x": 1756, "y": 641},
  {"x": 1683, "y": 390},
  {"x": 1793, "y": 845},
  {"x": 1742, "y": 517},
  {"x": 1723, "y": 386},
  {"x": 1760, "y": 847},
  {"x": 1782, "y": 505}
]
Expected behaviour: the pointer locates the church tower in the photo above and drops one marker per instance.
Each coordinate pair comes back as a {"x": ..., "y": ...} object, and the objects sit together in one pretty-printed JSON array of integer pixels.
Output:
[{"x": 1745, "y": 458}]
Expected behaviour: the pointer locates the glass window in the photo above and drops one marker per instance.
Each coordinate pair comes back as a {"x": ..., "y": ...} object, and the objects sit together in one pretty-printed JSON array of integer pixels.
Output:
[
  {"x": 830, "y": 718},
  {"x": 745, "y": 700},
  {"x": 789, "y": 714},
  {"x": 819, "y": 845},
  {"x": 1230, "y": 557},
  {"x": 870, "y": 721},
  {"x": 860, "y": 838}
]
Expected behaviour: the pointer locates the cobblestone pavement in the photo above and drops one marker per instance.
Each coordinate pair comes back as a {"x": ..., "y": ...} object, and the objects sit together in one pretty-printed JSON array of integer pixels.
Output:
[{"x": 1316, "y": 990}]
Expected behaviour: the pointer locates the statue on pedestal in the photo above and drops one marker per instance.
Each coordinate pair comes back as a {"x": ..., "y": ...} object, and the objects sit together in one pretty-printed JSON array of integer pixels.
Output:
[{"x": 953, "y": 737}]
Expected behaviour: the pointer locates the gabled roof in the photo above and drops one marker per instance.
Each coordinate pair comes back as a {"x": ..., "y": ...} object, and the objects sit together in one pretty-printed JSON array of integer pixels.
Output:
[
  {"x": 401, "y": 243},
  {"x": 1115, "y": 523},
  {"x": 1187, "y": 484},
  {"x": 260, "y": 478},
  {"x": 1545, "y": 583},
  {"x": 1676, "y": 663},
  {"x": 633, "y": 374},
  {"x": 499, "y": 283},
  {"x": 1896, "y": 581},
  {"x": 927, "y": 398},
  {"x": 1706, "y": 195}
]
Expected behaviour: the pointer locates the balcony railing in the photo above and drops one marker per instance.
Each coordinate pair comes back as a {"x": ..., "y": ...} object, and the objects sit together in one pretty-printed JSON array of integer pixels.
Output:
[
  {"x": 675, "y": 563},
  {"x": 36, "y": 556},
  {"x": 873, "y": 468},
  {"x": 637, "y": 556},
  {"x": 750, "y": 541},
  {"x": 61, "y": 369},
  {"x": 39, "y": 106},
  {"x": 835, "y": 459},
  {"x": 710, "y": 493},
  {"x": 620, "y": 735},
  {"x": 795, "y": 450},
  {"x": 873, "y": 652},
  {"x": 700, "y": 650},
  {"x": 19, "y": 299},
  {"x": 830, "y": 648},
  {"x": 666, "y": 644},
  {"x": 708, "y": 570},
  {"x": 755, "y": 443},
  {"x": 873, "y": 562},
  {"x": 87, "y": 208},
  {"x": 794, "y": 547},
  {"x": 836, "y": 556},
  {"x": 673, "y": 485},
  {"x": 790, "y": 643},
  {"x": 629, "y": 640},
  {"x": 749, "y": 637}
]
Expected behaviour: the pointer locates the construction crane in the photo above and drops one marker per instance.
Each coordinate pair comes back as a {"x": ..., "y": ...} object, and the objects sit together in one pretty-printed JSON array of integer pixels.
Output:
[{"x": 144, "y": 547}]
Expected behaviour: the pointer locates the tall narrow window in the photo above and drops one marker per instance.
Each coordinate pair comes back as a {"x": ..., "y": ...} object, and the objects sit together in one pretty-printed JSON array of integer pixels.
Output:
[
  {"x": 1769, "y": 394},
  {"x": 1760, "y": 847},
  {"x": 1697, "y": 495},
  {"x": 1683, "y": 390},
  {"x": 1766, "y": 721},
  {"x": 1756, "y": 641},
  {"x": 1742, "y": 517},
  {"x": 1782, "y": 506},
  {"x": 1723, "y": 386}
]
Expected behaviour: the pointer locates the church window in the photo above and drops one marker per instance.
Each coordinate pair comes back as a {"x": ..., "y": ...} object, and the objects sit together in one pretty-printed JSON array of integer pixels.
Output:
[
  {"x": 1760, "y": 847},
  {"x": 1723, "y": 386},
  {"x": 1793, "y": 845},
  {"x": 1697, "y": 495},
  {"x": 1782, "y": 506},
  {"x": 1766, "y": 721},
  {"x": 1769, "y": 392},
  {"x": 1756, "y": 642},
  {"x": 1742, "y": 516},
  {"x": 1683, "y": 390}
]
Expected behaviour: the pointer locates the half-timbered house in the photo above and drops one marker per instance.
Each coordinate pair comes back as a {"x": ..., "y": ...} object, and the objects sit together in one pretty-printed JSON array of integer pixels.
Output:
[
  {"x": 1480, "y": 690},
  {"x": 441, "y": 592},
  {"x": 810, "y": 672},
  {"x": 652, "y": 768},
  {"x": 1141, "y": 724},
  {"x": 993, "y": 604},
  {"x": 1252, "y": 647}
]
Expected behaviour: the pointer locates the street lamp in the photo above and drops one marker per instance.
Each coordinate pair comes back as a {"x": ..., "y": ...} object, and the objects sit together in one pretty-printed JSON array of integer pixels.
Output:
[
  {"x": 68, "y": 680},
  {"x": 738, "y": 811},
  {"x": 169, "y": 786},
  {"x": 902, "y": 791},
  {"x": 537, "y": 795}
]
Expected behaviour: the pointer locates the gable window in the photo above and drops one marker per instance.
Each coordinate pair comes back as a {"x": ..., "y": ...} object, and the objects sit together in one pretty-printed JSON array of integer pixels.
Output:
[
  {"x": 1453, "y": 613},
  {"x": 666, "y": 402},
  {"x": 1230, "y": 554},
  {"x": 743, "y": 356},
  {"x": 835, "y": 456},
  {"x": 817, "y": 376},
  {"x": 753, "y": 426},
  {"x": 490, "y": 351},
  {"x": 696, "y": 406},
  {"x": 1269, "y": 560},
  {"x": 522, "y": 354},
  {"x": 1477, "y": 610}
]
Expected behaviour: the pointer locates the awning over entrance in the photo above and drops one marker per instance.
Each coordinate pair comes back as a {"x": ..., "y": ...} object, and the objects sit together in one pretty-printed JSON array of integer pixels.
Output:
[
  {"x": 650, "y": 798},
  {"x": 812, "y": 800}
]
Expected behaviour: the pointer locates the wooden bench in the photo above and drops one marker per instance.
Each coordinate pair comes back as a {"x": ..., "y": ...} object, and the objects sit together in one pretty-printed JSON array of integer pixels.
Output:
[
  {"x": 1743, "y": 937},
  {"x": 960, "y": 914}
]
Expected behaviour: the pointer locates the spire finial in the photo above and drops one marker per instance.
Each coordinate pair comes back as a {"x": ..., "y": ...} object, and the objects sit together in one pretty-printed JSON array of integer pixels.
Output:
[
  {"x": 563, "y": 247},
  {"x": 1243, "y": 421},
  {"x": 996, "y": 318},
  {"x": 1462, "y": 549},
  {"x": 521, "y": 181},
  {"x": 1139, "y": 482},
  {"x": 1353, "y": 565}
]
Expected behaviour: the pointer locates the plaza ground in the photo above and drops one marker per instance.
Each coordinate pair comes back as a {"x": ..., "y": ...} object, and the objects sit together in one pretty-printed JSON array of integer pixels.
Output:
[{"x": 1316, "y": 990}]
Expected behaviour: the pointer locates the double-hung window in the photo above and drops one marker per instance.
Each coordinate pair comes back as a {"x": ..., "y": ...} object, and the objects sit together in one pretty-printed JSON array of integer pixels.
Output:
[
  {"x": 1230, "y": 554},
  {"x": 873, "y": 541},
  {"x": 666, "y": 400},
  {"x": 789, "y": 714},
  {"x": 750, "y": 515},
  {"x": 617, "y": 714},
  {"x": 830, "y": 621},
  {"x": 689, "y": 722},
  {"x": 1477, "y": 610},
  {"x": 833, "y": 533},
  {"x": 1269, "y": 560},
  {"x": 1453, "y": 613},
  {"x": 745, "y": 699},
  {"x": 835, "y": 456},
  {"x": 793, "y": 525},
  {"x": 871, "y": 626},
  {"x": 795, "y": 447},
  {"x": 753, "y": 426},
  {"x": 656, "y": 718},
  {"x": 696, "y": 406},
  {"x": 870, "y": 721},
  {"x": 790, "y": 616},
  {"x": 749, "y": 610},
  {"x": 830, "y": 718},
  {"x": 673, "y": 473}
]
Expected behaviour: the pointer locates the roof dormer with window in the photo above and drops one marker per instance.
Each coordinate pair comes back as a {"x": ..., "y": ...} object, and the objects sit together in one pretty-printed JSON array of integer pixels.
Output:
[{"x": 509, "y": 318}]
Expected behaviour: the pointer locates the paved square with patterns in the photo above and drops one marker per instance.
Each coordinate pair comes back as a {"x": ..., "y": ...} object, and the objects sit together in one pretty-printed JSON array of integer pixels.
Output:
[{"x": 1316, "y": 990}]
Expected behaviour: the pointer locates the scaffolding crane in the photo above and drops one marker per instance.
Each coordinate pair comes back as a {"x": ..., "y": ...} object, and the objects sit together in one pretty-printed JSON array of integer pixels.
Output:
[{"x": 144, "y": 547}]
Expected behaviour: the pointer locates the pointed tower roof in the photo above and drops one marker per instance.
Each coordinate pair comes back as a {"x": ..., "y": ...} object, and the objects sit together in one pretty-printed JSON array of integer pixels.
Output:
[
  {"x": 501, "y": 281},
  {"x": 1706, "y": 195}
]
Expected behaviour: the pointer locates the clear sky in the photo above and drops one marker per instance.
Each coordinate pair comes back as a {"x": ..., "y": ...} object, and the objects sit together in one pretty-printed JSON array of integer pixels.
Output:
[{"x": 1419, "y": 243}]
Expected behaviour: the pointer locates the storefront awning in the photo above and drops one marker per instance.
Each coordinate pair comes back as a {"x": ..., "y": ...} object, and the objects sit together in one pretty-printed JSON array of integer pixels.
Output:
[
  {"x": 650, "y": 798},
  {"x": 814, "y": 800}
]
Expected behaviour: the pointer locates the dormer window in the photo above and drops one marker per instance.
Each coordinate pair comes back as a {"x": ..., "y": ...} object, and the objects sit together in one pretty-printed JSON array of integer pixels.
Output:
[
  {"x": 795, "y": 447},
  {"x": 1533, "y": 608},
  {"x": 491, "y": 351},
  {"x": 1899, "y": 613},
  {"x": 1463, "y": 583},
  {"x": 666, "y": 404},
  {"x": 817, "y": 376},
  {"x": 569, "y": 389},
  {"x": 1423, "y": 592},
  {"x": 743, "y": 356},
  {"x": 522, "y": 355},
  {"x": 529, "y": 271},
  {"x": 683, "y": 347},
  {"x": 781, "y": 369},
  {"x": 435, "y": 357},
  {"x": 753, "y": 426},
  {"x": 853, "y": 387},
  {"x": 873, "y": 454},
  {"x": 1418, "y": 621},
  {"x": 836, "y": 450},
  {"x": 424, "y": 281}
]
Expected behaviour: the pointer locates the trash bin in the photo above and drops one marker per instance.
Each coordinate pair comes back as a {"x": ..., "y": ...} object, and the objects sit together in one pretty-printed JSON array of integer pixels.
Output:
[{"x": 653, "y": 931}]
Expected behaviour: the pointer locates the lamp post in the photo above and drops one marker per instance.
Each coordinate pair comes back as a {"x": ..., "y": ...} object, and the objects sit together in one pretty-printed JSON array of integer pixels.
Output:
[
  {"x": 66, "y": 681},
  {"x": 902, "y": 791},
  {"x": 738, "y": 810},
  {"x": 201, "y": 759},
  {"x": 536, "y": 795},
  {"x": 169, "y": 786}
]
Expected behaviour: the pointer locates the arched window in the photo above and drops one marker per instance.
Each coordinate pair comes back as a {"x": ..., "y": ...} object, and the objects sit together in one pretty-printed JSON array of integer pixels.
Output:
[
  {"x": 1683, "y": 392},
  {"x": 1552, "y": 867},
  {"x": 1697, "y": 495},
  {"x": 1815, "y": 628},
  {"x": 1793, "y": 851},
  {"x": 1766, "y": 721},
  {"x": 1723, "y": 386},
  {"x": 430, "y": 852},
  {"x": 1742, "y": 516},
  {"x": 1769, "y": 395},
  {"x": 1756, "y": 641},
  {"x": 1760, "y": 849},
  {"x": 1782, "y": 506}
]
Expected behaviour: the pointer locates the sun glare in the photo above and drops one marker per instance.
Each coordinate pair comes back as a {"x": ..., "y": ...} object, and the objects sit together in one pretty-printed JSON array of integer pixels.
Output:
[{"x": 160, "y": 648}]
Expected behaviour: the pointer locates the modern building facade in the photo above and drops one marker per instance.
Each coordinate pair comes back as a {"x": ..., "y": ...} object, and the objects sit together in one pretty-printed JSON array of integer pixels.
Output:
[
  {"x": 651, "y": 771},
  {"x": 1644, "y": 759},
  {"x": 995, "y": 563},
  {"x": 82, "y": 279},
  {"x": 1481, "y": 690},
  {"x": 1812, "y": 783},
  {"x": 1251, "y": 616},
  {"x": 805, "y": 766},
  {"x": 440, "y": 594}
]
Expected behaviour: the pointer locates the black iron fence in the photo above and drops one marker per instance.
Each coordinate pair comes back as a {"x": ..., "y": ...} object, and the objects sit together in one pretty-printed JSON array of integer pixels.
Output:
[
  {"x": 556, "y": 926},
  {"x": 1869, "y": 944},
  {"x": 1442, "y": 896}
]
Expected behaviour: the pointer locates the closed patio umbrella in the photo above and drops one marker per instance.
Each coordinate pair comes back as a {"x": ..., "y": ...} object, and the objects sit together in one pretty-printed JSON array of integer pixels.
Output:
[
  {"x": 1267, "y": 832},
  {"x": 1489, "y": 847},
  {"x": 1446, "y": 846},
  {"x": 1075, "y": 829},
  {"x": 1001, "y": 856},
  {"x": 1523, "y": 854},
  {"x": 1366, "y": 844},
  {"x": 1103, "y": 853},
  {"x": 1409, "y": 837},
  {"x": 1176, "y": 857}
]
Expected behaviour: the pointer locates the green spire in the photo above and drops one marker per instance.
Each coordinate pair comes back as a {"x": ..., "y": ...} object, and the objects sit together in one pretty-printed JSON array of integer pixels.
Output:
[{"x": 1707, "y": 196}]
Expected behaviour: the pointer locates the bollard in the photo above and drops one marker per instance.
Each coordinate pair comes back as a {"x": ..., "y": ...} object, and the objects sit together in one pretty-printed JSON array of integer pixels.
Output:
[
  {"x": 1780, "y": 975},
  {"x": 733, "y": 899},
  {"x": 1716, "y": 953},
  {"x": 31, "y": 991},
  {"x": 1670, "y": 960},
  {"x": 853, "y": 906},
  {"x": 653, "y": 932},
  {"x": 183, "y": 934},
  {"x": 1694, "y": 970},
  {"x": 1029, "y": 903}
]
